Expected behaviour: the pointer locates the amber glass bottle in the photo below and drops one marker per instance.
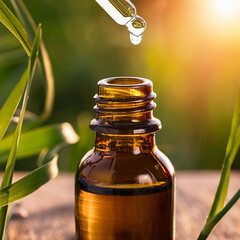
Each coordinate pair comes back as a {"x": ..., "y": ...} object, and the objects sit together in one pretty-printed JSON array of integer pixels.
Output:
[{"x": 124, "y": 186}]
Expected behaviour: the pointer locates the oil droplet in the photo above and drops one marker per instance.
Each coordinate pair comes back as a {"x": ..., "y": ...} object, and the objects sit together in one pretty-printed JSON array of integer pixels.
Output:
[
  {"x": 124, "y": 13},
  {"x": 135, "y": 40},
  {"x": 136, "y": 27}
]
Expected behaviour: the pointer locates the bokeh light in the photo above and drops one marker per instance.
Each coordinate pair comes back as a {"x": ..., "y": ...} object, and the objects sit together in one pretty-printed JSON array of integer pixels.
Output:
[
  {"x": 225, "y": 9},
  {"x": 190, "y": 50}
]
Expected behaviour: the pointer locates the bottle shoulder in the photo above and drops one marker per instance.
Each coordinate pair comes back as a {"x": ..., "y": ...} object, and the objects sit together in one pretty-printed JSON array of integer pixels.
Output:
[
  {"x": 164, "y": 160},
  {"x": 120, "y": 168}
]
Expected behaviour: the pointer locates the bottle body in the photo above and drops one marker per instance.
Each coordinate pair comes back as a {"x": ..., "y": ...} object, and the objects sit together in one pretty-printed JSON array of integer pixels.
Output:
[
  {"x": 124, "y": 189},
  {"x": 125, "y": 196}
]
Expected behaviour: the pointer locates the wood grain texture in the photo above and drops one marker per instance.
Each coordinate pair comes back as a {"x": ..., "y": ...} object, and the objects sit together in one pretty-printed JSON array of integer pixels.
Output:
[{"x": 51, "y": 209}]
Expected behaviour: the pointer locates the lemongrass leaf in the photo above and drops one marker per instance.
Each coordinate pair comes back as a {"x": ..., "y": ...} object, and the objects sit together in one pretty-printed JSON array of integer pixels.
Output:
[
  {"x": 10, "y": 106},
  {"x": 11, "y": 159},
  {"x": 214, "y": 220},
  {"x": 24, "y": 17},
  {"x": 32, "y": 142},
  {"x": 12, "y": 23},
  {"x": 231, "y": 152},
  {"x": 218, "y": 210},
  {"x": 50, "y": 92},
  {"x": 48, "y": 169},
  {"x": 7, "y": 177},
  {"x": 45, "y": 62},
  {"x": 29, "y": 183}
]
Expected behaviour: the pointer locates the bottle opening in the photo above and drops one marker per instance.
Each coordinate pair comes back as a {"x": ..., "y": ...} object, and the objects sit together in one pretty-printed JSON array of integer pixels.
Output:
[
  {"x": 124, "y": 88},
  {"x": 132, "y": 82},
  {"x": 125, "y": 81},
  {"x": 124, "y": 106}
]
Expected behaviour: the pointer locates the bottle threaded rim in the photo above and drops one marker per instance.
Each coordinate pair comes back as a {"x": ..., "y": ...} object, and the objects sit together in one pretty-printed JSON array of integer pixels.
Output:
[{"x": 124, "y": 105}]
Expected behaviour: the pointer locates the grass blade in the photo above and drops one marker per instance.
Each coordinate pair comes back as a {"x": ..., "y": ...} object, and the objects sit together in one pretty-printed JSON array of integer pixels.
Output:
[
  {"x": 29, "y": 183},
  {"x": 214, "y": 220},
  {"x": 218, "y": 210},
  {"x": 42, "y": 174},
  {"x": 12, "y": 23},
  {"x": 7, "y": 178},
  {"x": 50, "y": 88},
  {"x": 231, "y": 152},
  {"x": 46, "y": 66},
  {"x": 44, "y": 137},
  {"x": 10, "y": 106}
]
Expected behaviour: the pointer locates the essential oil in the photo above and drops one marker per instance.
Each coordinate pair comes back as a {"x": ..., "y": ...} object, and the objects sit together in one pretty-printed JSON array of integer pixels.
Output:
[{"x": 125, "y": 186}]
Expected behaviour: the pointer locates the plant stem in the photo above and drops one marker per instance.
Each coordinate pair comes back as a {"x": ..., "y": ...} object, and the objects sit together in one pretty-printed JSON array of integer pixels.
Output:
[
  {"x": 213, "y": 221},
  {"x": 231, "y": 152},
  {"x": 7, "y": 178}
]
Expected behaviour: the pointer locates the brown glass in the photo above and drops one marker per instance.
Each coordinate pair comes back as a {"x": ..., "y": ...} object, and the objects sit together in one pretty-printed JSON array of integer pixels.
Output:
[{"x": 125, "y": 186}]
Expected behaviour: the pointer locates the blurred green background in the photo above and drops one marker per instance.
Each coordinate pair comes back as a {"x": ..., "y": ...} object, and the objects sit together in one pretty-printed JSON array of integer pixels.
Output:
[{"x": 190, "y": 50}]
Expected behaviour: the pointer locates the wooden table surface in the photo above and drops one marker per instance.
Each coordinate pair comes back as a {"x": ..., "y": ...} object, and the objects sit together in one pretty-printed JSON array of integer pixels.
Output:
[{"x": 51, "y": 209}]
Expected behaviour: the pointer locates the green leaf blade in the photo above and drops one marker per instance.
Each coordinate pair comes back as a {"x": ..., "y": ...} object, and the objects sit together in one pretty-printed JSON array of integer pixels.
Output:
[
  {"x": 218, "y": 208},
  {"x": 231, "y": 152},
  {"x": 12, "y": 23},
  {"x": 48, "y": 170},
  {"x": 215, "y": 219},
  {"x": 10, "y": 106},
  {"x": 32, "y": 142},
  {"x": 45, "y": 63},
  {"x": 7, "y": 177},
  {"x": 29, "y": 183}
]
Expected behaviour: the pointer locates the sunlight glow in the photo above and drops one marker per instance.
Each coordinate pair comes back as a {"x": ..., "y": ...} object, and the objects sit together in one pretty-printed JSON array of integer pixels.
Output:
[
  {"x": 222, "y": 21},
  {"x": 226, "y": 9}
]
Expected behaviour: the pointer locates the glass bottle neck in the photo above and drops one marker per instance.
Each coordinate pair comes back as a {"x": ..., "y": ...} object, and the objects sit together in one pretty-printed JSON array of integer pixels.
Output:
[
  {"x": 135, "y": 144},
  {"x": 124, "y": 107}
]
